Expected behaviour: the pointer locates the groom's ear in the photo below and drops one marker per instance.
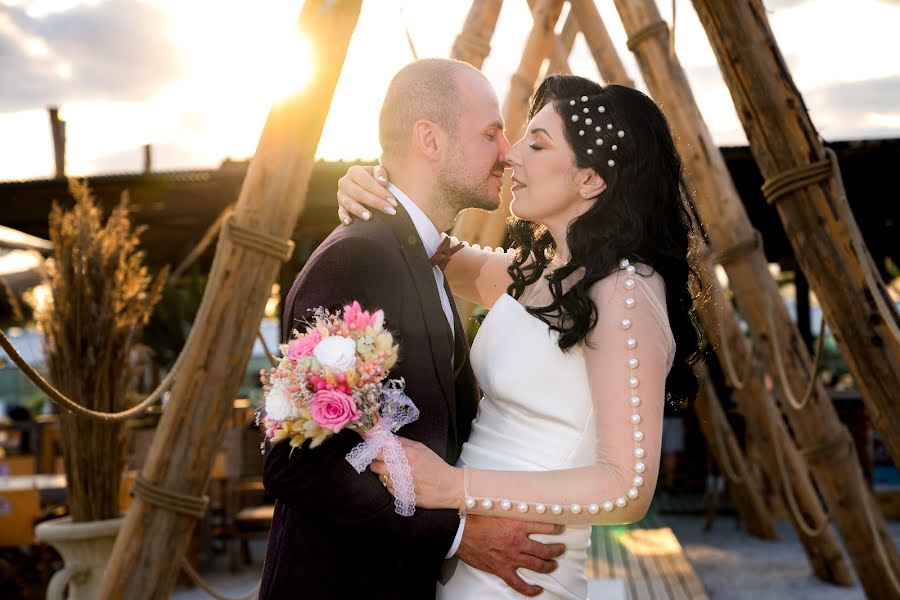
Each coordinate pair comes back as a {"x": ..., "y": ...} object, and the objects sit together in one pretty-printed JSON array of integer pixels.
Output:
[
  {"x": 590, "y": 184},
  {"x": 428, "y": 138}
]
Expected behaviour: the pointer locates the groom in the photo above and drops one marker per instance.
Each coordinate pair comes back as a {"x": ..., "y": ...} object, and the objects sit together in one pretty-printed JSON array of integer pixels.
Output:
[{"x": 335, "y": 534}]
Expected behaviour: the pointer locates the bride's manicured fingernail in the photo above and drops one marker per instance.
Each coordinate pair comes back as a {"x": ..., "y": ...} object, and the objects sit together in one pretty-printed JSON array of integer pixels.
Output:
[
  {"x": 346, "y": 220},
  {"x": 382, "y": 178},
  {"x": 390, "y": 210},
  {"x": 366, "y": 215}
]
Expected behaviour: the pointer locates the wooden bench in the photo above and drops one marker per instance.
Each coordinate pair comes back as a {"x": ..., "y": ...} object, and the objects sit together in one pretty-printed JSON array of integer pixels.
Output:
[{"x": 641, "y": 561}]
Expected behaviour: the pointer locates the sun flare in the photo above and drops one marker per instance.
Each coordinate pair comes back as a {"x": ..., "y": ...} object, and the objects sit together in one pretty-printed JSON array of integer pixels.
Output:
[{"x": 258, "y": 48}]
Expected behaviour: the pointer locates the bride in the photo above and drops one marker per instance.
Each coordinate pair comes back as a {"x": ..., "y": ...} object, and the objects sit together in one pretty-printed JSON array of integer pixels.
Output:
[{"x": 589, "y": 334}]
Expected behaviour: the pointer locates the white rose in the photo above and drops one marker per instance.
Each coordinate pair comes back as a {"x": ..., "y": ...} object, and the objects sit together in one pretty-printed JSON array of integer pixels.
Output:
[
  {"x": 336, "y": 353},
  {"x": 278, "y": 402}
]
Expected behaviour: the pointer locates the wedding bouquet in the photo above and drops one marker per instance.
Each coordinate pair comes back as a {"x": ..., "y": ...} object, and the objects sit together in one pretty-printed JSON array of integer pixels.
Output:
[{"x": 334, "y": 377}]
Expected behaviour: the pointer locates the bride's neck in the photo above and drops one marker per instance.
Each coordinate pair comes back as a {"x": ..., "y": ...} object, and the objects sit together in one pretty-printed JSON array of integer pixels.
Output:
[{"x": 562, "y": 245}]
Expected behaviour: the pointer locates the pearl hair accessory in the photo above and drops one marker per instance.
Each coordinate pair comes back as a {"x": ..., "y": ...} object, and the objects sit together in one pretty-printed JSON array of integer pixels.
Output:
[
  {"x": 637, "y": 436},
  {"x": 588, "y": 121}
]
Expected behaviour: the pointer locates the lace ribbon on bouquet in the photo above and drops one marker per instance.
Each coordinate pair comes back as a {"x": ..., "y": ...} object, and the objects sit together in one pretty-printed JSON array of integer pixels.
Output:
[{"x": 397, "y": 410}]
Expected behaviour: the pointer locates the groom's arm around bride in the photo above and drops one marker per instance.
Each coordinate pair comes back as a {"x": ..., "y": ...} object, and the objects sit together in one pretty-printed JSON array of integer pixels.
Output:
[{"x": 335, "y": 532}]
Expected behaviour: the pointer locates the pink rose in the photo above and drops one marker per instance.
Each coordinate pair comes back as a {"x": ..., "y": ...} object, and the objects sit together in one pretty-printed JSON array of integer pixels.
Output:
[
  {"x": 303, "y": 346},
  {"x": 332, "y": 409}
]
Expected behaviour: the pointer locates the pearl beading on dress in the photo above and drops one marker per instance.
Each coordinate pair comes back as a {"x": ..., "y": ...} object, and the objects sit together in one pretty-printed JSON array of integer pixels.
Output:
[{"x": 637, "y": 435}]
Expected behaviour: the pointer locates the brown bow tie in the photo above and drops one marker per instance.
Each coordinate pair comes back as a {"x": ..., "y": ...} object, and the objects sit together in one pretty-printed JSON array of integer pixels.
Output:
[{"x": 444, "y": 253}]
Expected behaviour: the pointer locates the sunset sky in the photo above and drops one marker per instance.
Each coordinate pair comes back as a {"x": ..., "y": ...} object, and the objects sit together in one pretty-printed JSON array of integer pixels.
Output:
[{"x": 195, "y": 78}]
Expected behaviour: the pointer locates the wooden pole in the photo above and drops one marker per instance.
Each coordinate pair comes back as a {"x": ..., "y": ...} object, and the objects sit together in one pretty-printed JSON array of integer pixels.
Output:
[
  {"x": 597, "y": 37},
  {"x": 559, "y": 59},
  {"x": 146, "y": 556},
  {"x": 817, "y": 218},
  {"x": 481, "y": 227},
  {"x": 724, "y": 447},
  {"x": 781, "y": 462},
  {"x": 825, "y": 441},
  {"x": 473, "y": 44},
  {"x": 471, "y": 222},
  {"x": 559, "y": 55},
  {"x": 58, "y": 129}
]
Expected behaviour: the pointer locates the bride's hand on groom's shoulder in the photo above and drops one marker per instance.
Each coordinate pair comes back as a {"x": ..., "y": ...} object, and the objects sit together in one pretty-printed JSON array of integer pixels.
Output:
[
  {"x": 361, "y": 189},
  {"x": 437, "y": 484}
]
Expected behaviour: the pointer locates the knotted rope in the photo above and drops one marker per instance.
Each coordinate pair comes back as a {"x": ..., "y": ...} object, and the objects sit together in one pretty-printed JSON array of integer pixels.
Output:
[
  {"x": 248, "y": 237},
  {"x": 471, "y": 42},
  {"x": 642, "y": 34},
  {"x": 809, "y": 530},
  {"x": 777, "y": 187},
  {"x": 166, "y": 499}
]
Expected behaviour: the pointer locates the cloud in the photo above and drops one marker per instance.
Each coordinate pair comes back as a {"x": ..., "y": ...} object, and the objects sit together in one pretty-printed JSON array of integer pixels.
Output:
[
  {"x": 872, "y": 95},
  {"x": 856, "y": 109},
  {"x": 772, "y": 5},
  {"x": 113, "y": 50}
]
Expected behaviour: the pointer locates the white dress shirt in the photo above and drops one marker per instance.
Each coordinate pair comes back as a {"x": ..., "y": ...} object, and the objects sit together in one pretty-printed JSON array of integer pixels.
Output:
[{"x": 431, "y": 239}]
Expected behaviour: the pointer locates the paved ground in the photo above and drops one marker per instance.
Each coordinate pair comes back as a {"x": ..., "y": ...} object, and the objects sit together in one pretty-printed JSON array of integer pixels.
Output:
[
  {"x": 734, "y": 566},
  {"x": 731, "y": 565}
]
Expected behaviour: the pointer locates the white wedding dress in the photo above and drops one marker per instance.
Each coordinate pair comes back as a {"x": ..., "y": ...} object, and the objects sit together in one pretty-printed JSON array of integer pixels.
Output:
[{"x": 543, "y": 412}]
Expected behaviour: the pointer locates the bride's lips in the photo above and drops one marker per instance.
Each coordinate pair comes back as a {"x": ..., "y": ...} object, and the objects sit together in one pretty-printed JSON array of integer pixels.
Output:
[{"x": 517, "y": 185}]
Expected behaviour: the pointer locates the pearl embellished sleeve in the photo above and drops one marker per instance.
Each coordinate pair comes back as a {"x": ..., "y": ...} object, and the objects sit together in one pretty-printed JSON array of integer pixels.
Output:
[
  {"x": 628, "y": 354},
  {"x": 479, "y": 274}
]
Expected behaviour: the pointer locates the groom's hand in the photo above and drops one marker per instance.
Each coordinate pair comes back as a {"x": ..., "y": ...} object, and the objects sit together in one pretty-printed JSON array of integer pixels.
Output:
[{"x": 500, "y": 546}]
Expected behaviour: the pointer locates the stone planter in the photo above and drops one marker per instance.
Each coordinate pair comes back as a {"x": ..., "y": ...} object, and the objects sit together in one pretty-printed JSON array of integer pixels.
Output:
[{"x": 85, "y": 549}]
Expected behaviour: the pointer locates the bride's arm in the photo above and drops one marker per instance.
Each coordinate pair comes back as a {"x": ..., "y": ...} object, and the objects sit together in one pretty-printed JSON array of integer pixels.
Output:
[
  {"x": 625, "y": 360},
  {"x": 479, "y": 275},
  {"x": 475, "y": 274}
]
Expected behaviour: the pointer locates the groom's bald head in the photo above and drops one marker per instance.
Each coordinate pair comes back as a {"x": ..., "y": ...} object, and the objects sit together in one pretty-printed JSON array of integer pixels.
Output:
[{"x": 428, "y": 89}]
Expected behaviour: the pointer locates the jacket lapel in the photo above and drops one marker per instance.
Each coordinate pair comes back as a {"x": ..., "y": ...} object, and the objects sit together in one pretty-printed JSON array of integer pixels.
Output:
[
  {"x": 460, "y": 343},
  {"x": 429, "y": 301}
]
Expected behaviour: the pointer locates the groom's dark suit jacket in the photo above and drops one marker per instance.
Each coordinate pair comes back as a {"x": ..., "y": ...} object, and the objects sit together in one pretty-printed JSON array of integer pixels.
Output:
[{"x": 335, "y": 534}]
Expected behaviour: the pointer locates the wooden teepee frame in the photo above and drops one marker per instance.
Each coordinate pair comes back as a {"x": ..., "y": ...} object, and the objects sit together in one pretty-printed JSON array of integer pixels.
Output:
[
  {"x": 145, "y": 561},
  {"x": 840, "y": 270},
  {"x": 824, "y": 439},
  {"x": 819, "y": 432},
  {"x": 781, "y": 461},
  {"x": 247, "y": 262}
]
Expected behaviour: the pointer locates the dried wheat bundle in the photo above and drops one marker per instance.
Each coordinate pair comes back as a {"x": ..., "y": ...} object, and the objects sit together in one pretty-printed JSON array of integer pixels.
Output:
[{"x": 102, "y": 296}]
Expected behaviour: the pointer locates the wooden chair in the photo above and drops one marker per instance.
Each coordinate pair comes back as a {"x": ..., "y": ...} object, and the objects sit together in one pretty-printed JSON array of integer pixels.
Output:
[
  {"x": 18, "y": 512},
  {"x": 253, "y": 521},
  {"x": 19, "y": 464},
  {"x": 25, "y": 567},
  {"x": 48, "y": 453},
  {"x": 244, "y": 517}
]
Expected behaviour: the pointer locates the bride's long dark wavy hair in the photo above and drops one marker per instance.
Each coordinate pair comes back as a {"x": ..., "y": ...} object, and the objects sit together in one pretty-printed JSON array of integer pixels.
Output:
[{"x": 640, "y": 216}]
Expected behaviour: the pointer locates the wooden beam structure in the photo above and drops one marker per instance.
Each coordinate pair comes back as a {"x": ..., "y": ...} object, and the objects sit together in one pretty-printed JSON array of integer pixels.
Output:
[
  {"x": 146, "y": 557},
  {"x": 597, "y": 37},
  {"x": 824, "y": 439},
  {"x": 473, "y": 44},
  {"x": 479, "y": 226},
  {"x": 724, "y": 447},
  {"x": 559, "y": 59},
  {"x": 816, "y": 216},
  {"x": 781, "y": 461}
]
